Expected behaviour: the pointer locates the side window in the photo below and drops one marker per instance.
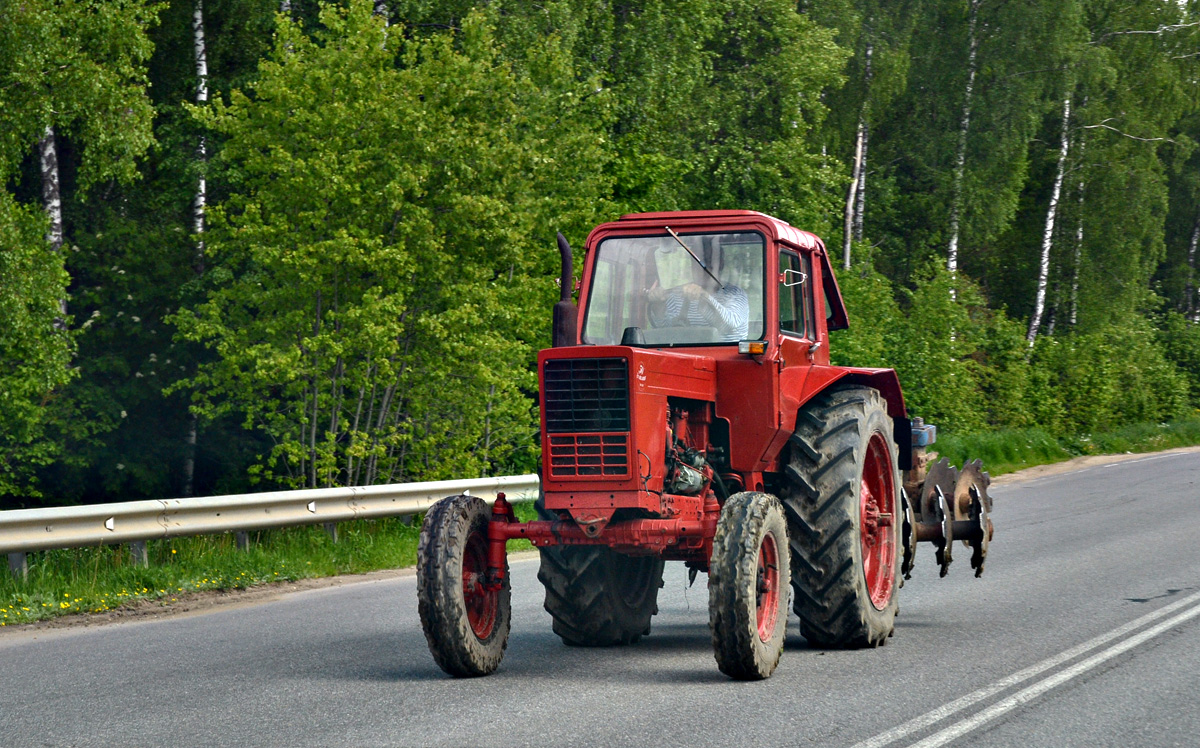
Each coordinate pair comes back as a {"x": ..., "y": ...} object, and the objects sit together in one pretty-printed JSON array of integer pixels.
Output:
[{"x": 795, "y": 297}]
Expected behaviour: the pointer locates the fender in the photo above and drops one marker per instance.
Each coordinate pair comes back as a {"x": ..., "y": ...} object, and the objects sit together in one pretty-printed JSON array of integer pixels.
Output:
[{"x": 821, "y": 378}]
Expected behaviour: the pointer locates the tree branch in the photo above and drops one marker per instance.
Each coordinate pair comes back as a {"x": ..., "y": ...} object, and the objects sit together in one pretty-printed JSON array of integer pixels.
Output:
[
  {"x": 1143, "y": 32},
  {"x": 1105, "y": 126}
]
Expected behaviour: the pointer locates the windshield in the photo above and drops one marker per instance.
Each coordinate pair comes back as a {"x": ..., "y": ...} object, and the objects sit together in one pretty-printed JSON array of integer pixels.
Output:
[{"x": 652, "y": 291}]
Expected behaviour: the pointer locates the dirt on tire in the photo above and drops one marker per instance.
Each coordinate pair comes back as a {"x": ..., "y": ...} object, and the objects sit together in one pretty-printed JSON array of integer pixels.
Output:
[
  {"x": 596, "y": 596},
  {"x": 455, "y": 640},
  {"x": 747, "y": 642},
  {"x": 821, "y": 498}
]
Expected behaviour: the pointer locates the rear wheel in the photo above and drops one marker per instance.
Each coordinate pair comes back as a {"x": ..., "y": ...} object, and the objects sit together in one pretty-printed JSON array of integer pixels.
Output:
[
  {"x": 748, "y": 585},
  {"x": 596, "y": 596},
  {"x": 842, "y": 502},
  {"x": 466, "y": 622}
]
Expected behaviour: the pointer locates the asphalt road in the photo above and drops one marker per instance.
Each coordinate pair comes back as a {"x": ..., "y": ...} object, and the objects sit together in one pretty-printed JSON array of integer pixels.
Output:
[{"x": 1083, "y": 632}]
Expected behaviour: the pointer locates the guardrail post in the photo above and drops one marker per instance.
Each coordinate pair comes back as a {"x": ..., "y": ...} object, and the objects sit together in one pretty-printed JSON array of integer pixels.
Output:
[
  {"x": 331, "y": 528},
  {"x": 18, "y": 564},
  {"x": 138, "y": 554},
  {"x": 243, "y": 540}
]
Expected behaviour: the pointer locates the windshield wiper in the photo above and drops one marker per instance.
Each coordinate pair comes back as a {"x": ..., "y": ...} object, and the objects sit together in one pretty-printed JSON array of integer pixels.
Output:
[{"x": 692, "y": 254}]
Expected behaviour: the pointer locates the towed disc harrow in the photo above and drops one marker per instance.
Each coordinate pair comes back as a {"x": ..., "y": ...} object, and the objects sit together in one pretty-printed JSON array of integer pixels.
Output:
[{"x": 951, "y": 504}]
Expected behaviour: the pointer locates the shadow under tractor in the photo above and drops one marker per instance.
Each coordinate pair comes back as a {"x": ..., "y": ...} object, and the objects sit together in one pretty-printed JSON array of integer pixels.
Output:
[{"x": 689, "y": 412}]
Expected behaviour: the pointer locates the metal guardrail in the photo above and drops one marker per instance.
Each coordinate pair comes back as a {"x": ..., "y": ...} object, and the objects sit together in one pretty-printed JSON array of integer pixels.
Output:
[{"x": 24, "y": 530}]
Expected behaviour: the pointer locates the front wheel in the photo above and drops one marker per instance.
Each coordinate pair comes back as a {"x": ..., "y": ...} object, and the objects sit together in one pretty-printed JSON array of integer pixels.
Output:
[
  {"x": 465, "y": 619},
  {"x": 748, "y": 586}
]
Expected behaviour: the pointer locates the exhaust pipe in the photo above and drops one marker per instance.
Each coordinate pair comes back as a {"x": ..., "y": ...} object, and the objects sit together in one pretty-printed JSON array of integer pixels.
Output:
[{"x": 565, "y": 313}]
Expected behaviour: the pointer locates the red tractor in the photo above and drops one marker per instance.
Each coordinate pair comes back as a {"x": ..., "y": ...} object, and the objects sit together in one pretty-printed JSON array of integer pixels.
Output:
[{"x": 690, "y": 413}]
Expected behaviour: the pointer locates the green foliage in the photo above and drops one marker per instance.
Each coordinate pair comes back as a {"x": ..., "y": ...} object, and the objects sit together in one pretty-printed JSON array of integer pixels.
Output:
[
  {"x": 1103, "y": 380},
  {"x": 383, "y": 203},
  {"x": 368, "y": 286},
  {"x": 34, "y": 356},
  {"x": 1180, "y": 343},
  {"x": 78, "y": 67},
  {"x": 875, "y": 334}
]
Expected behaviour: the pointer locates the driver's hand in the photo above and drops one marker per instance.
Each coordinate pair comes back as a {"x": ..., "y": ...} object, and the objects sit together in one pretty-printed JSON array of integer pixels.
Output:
[
  {"x": 656, "y": 294},
  {"x": 693, "y": 292}
]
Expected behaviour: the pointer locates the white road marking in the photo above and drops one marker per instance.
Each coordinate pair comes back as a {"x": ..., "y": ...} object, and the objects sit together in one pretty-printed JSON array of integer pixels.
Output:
[
  {"x": 1134, "y": 462},
  {"x": 934, "y": 716},
  {"x": 1037, "y": 689}
]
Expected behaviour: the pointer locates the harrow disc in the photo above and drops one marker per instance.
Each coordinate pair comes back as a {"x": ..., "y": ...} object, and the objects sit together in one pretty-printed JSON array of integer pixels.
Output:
[
  {"x": 971, "y": 502},
  {"x": 908, "y": 536},
  {"x": 941, "y": 476},
  {"x": 943, "y": 546}
]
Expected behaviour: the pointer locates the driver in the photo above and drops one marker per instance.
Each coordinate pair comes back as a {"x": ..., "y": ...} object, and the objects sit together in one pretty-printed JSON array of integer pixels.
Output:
[{"x": 702, "y": 303}]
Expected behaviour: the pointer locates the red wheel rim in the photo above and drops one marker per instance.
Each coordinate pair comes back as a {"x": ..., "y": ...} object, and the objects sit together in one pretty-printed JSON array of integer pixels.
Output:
[
  {"x": 768, "y": 588},
  {"x": 878, "y": 511},
  {"x": 481, "y": 603}
]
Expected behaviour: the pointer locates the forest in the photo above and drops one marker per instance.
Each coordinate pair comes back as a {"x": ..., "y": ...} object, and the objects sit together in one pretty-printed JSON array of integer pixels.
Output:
[{"x": 249, "y": 244}]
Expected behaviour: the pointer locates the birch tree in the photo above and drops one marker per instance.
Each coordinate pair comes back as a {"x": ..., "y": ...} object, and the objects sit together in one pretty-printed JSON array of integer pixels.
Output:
[
  {"x": 1064, "y": 147},
  {"x": 1193, "y": 304},
  {"x": 964, "y": 131},
  {"x": 199, "y": 205},
  {"x": 52, "y": 204}
]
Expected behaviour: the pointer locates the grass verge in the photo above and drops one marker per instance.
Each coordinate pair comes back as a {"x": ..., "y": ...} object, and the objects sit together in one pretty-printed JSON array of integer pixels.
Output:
[
  {"x": 1008, "y": 450},
  {"x": 95, "y": 580}
]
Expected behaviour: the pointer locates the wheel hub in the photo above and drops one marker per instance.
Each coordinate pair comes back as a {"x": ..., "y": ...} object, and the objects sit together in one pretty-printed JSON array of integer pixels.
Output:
[
  {"x": 877, "y": 517},
  {"x": 482, "y": 602},
  {"x": 767, "y": 585}
]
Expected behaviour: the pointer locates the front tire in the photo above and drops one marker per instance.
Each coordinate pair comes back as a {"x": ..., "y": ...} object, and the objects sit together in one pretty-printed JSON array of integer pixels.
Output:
[
  {"x": 842, "y": 501},
  {"x": 466, "y": 624},
  {"x": 596, "y": 596},
  {"x": 748, "y": 585}
]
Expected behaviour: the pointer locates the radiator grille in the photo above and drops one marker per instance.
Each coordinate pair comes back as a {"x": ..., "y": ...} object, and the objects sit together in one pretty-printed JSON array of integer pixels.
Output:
[
  {"x": 586, "y": 395},
  {"x": 573, "y": 455}
]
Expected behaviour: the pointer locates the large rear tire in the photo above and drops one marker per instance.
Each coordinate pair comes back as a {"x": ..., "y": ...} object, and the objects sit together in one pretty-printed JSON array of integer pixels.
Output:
[
  {"x": 842, "y": 501},
  {"x": 465, "y": 623},
  {"x": 596, "y": 596},
  {"x": 748, "y": 586}
]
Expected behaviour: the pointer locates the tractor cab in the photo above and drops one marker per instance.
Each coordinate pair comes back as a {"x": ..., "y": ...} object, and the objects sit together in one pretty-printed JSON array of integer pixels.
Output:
[{"x": 705, "y": 278}]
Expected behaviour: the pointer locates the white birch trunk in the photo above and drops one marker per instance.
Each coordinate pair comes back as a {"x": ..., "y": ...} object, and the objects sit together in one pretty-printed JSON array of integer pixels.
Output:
[
  {"x": 1039, "y": 304},
  {"x": 964, "y": 127},
  {"x": 52, "y": 203},
  {"x": 852, "y": 226},
  {"x": 1077, "y": 259},
  {"x": 381, "y": 10},
  {"x": 852, "y": 198},
  {"x": 1192, "y": 301},
  {"x": 864, "y": 130},
  {"x": 285, "y": 7},
  {"x": 860, "y": 207},
  {"x": 199, "y": 204},
  {"x": 201, "y": 201}
]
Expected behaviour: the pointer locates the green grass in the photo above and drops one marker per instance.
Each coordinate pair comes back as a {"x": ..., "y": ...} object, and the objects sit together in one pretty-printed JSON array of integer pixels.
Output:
[
  {"x": 95, "y": 580},
  {"x": 83, "y": 580},
  {"x": 1008, "y": 450}
]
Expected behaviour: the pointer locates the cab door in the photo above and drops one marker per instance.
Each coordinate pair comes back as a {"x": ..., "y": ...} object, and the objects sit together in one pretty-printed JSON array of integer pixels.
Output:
[{"x": 797, "y": 326}]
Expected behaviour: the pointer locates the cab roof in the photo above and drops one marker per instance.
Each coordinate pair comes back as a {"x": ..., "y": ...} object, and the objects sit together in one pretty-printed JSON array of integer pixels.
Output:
[{"x": 783, "y": 231}]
